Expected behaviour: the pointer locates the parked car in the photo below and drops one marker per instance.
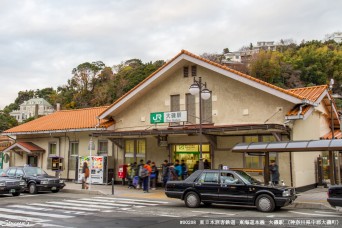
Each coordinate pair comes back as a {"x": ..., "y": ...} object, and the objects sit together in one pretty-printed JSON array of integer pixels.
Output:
[
  {"x": 335, "y": 195},
  {"x": 11, "y": 186},
  {"x": 229, "y": 187},
  {"x": 37, "y": 179}
]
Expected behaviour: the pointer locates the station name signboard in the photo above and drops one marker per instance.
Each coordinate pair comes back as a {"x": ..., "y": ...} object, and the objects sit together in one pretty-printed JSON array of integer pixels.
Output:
[{"x": 168, "y": 117}]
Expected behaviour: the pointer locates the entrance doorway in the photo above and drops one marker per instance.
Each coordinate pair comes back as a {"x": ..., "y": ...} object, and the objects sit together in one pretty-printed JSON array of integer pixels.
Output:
[
  {"x": 32, "y": 160},
  {"x": 190, "y": 154}
]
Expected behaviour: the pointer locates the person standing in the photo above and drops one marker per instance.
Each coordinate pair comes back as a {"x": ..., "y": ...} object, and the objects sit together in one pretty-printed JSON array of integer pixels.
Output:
[
  {"x": 196, "y": 166},
  {"x": 184, "y": 170},
  {"x": 274, "y": 171},
  {"x": 165, "y": 172},
  {"x": 178, "y": 169},
  {"x": 85, "y": 171},
  {"x": 154, "y": 175},
  {"x": 139, "y": 168},
  {"x": 145, "y": 174}
]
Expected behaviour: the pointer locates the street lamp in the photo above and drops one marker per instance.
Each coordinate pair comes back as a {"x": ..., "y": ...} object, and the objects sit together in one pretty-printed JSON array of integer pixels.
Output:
[
  {"x": 331, "y": 153},
  {"x": 200, "y": 88}
]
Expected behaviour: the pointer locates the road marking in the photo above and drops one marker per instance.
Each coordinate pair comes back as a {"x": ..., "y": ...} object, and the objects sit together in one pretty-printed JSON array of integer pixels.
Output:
[
  {"x": 327, "y": 212},
  {"x": 73, "y": 204},
  {"x": 303, "y": 213},
  {"x": 217, "y": 213},
  {"x": 23, "y": 218},
  {"x": 118, "y": 201},
  {"x": 270, "y": 216},
  {"x": 65, "y": 207},
  {"x": 166, "y": 215},
  {"x": 96, "y": 203},
  {"x": 27, "y": 195},
  {"x": 137, "y": 200},
  {"x": 35, "y": 213}
]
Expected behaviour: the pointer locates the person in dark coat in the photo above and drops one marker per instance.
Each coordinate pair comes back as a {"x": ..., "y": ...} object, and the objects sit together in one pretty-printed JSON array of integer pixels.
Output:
[
  {"x": 165, "y": 172},
  {"x": 274, "y": 171}
]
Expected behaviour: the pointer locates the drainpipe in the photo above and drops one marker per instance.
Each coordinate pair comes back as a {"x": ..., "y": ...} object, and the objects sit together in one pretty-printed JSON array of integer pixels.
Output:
[{"x": 300, "y": 110}]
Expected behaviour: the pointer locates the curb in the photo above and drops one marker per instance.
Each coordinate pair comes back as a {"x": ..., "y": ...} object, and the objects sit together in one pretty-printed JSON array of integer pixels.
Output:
[
  {"x": 306, "y": 205},
  {"x": 83, "y": 191}
]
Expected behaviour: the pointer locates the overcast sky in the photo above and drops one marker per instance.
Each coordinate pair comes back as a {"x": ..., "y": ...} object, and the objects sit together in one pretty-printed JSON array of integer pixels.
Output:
[{"x": 41, "y": 41}]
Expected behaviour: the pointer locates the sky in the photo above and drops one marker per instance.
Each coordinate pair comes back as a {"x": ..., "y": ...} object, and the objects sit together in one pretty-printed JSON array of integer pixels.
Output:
[{"x": 41, "y": 41}]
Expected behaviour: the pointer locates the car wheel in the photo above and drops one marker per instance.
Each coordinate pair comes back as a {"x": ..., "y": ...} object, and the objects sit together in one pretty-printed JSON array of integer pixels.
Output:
[
  {"x": 55, "y": 191},
  {"x": 265, "y": 203},
  {"x": 32, "y": 188},
  {"x": 192, "y": 200},
  {"x": 16, "y": 194}
]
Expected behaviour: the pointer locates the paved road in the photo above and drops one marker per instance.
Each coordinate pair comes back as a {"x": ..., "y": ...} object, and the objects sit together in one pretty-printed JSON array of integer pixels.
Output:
[{"x": 75, "y": 210}]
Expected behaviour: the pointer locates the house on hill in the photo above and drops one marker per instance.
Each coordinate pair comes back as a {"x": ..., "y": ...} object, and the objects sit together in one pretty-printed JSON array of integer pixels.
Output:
[{"x": 28, "y": 109}]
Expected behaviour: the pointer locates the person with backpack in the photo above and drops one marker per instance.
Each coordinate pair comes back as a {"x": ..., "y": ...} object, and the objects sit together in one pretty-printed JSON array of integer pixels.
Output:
[
  {"x": 138, "y": 173},
  {"x": 178, "y": 169},
  {"x": 165, "y": 172},
  {"x": 154, "y": 175},
  {"x": 184, "y": 170},
  {"x": 145, "y": 175},
  {"x": 85, "y": 171}
]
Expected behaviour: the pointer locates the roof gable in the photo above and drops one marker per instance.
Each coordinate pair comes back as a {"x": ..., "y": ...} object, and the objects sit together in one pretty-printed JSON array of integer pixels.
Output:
[{"x": 185, "y": 55}]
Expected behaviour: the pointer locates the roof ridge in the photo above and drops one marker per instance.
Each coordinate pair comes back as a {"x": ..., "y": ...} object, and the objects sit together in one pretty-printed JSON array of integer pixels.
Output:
[
  {"x": 308, "y": 87},
  {"x": 81, "y": 109}
]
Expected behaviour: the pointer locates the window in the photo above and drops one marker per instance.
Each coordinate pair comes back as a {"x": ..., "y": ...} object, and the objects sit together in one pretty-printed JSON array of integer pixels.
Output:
[
  {"x": 258, "y": 162},
  {"x": 73, "y": 155},
  {"x": 207, "y": 113},
  {"x": 229, "y": 178},
  {"x": 103, "y": 147},
  {"x": 191, "y": 108},
  {"x": 186, "y": 72},
  {"x": 211, "y": 177},
  {"x": 175, "y": 103},
  {"x": 19, "y": 173},
  {"x": 11, "y": 172},
  {"x": 135, "y": 149},
  {"x": 193, "y": 71}
]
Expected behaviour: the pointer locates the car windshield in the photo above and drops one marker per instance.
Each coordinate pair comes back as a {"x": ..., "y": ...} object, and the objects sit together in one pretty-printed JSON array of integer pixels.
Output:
[
  {"x": 31, "y": 171},
  {"x": 248, "y": 178}
]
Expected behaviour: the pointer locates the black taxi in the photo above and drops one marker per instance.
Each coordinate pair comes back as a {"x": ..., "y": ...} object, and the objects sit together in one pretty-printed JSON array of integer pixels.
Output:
[
  {"x": 10, "y": 186},
  {"x": 229, "y": 187},
  {"x": 37, "y": 179}
]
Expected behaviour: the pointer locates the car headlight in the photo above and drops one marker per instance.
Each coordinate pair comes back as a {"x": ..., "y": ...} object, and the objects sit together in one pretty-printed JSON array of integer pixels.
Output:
[
  {"x": 2, "y": 184},
  {"x": 44, "y": 182},
  {"x": 61, "y": 181},
  {"x": 22, "y": 183},
  {"x": 286, "y": 193}
]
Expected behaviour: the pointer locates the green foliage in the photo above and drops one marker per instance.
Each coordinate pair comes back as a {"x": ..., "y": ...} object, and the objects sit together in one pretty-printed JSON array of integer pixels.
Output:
[
  {"x": 7, "y": 121},
  {"x": 310, "y": 63}
]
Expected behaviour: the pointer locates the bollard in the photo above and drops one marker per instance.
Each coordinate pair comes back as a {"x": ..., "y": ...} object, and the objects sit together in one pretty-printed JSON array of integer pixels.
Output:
[{"x": 112, "y": 186}]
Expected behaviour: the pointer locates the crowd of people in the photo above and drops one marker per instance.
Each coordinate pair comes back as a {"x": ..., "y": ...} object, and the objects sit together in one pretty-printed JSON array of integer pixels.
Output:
[{"x": 145, "y": 175}]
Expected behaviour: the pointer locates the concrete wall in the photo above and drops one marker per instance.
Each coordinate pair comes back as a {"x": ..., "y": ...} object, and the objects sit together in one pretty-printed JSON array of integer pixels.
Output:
[
  {"x": 233, "y": 102},
  {"x": 62, "y": 142},
  {"x": 304, "y": 162}
]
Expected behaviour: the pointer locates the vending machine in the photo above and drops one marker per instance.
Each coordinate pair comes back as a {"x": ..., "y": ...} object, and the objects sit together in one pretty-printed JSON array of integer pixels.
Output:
[{"x": 97, "y": 166}]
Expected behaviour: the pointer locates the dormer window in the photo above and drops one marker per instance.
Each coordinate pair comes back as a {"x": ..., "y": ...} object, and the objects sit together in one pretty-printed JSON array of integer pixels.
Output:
[
  {"x": 193, "y": 71},
  {"x": 186, "y": 72}
]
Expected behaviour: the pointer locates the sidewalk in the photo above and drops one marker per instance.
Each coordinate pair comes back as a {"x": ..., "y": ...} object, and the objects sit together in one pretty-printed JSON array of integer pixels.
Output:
[{"x": 312, "y": 199}]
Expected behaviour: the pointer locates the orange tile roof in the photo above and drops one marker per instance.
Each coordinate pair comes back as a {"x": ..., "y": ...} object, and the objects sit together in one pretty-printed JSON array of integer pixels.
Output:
[
  {"x": 64, "y": 120},
  {"x": 310, "y": 93},
  {"x": 337, "y": 135},
  {"x": 30, "y": 146},
  {"x": 214, "y": 64}
]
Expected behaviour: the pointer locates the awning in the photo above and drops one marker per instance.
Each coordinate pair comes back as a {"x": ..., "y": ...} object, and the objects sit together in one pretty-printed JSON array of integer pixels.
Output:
[
  {"x": 290, "y": 146},
  {"x": 27, "y": 147}
]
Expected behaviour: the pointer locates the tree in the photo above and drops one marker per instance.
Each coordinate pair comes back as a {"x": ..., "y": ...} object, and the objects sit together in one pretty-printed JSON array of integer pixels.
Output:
[{"x": 7, "y": 121}]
